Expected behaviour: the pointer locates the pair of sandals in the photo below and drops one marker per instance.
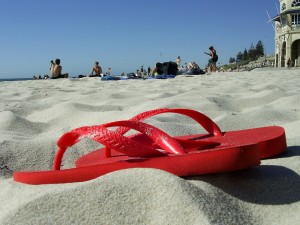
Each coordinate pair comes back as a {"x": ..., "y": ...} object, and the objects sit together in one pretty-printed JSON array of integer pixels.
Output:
[{"x": 151, "y": 147}]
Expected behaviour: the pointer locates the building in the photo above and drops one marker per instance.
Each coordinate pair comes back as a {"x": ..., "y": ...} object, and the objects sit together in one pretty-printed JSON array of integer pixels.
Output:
[{"x": 287, "y": 34}]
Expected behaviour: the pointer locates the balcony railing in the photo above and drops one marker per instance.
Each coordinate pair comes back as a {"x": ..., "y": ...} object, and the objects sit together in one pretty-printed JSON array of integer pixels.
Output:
[{"x": 296, "y": 27}]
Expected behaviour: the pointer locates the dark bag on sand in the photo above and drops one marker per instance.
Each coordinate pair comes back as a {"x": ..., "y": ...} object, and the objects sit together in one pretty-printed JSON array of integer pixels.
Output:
[
  {"x": 197, "y": 71},
  {"x": 159, "y": 67},
  {"x": 131, "y": 76},
  {"x": 170, "y": 68}
]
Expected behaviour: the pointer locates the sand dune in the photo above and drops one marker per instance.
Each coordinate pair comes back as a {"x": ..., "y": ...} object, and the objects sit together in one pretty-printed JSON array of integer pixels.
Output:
[{"x": 34, "y": 114}]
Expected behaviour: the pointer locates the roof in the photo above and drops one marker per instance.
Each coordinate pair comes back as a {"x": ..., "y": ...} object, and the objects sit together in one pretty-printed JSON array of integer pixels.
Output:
[{"x": 289, "y": 11}]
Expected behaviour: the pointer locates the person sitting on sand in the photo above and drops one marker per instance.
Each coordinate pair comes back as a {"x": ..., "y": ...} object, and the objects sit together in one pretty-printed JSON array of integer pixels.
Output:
[
  {"x": 56, "y": 69},
  {"x": 108, "y": 71},
  {"x": 190, "y": 66},
  {"x": 37, "y": 77},
  {"x": 97, "y": 69},
  {"x": 195, "y": 66},
  {"x": 149, "y": 70}
]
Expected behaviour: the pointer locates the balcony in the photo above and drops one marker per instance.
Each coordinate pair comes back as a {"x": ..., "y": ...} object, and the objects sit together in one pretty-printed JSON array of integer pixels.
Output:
[{"x": 296, "y": 27}]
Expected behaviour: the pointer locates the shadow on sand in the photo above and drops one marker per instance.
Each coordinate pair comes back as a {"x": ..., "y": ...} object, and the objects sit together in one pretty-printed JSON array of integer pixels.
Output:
[{"x": 265, "y": 184}]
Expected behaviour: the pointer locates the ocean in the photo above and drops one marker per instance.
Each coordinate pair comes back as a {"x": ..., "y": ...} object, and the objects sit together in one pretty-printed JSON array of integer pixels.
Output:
[{"x": 14, "y": 79}]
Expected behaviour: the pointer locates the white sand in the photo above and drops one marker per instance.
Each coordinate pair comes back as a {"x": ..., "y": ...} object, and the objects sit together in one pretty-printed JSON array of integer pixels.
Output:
[{"x": 34, "y": 114}]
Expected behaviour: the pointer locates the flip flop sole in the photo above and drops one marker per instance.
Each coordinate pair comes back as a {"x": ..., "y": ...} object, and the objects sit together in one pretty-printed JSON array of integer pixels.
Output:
[{"x": 192, "y": 163}]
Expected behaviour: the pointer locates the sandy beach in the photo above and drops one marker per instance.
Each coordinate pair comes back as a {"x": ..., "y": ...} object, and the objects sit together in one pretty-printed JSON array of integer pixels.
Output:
[{"x": 34, "y": 114}]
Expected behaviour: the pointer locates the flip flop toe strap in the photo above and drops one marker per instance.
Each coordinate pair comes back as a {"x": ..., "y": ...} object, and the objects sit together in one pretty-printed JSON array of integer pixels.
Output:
[
  {"x": 210, "y": 126},
  {"x": 118, "y": 142}
]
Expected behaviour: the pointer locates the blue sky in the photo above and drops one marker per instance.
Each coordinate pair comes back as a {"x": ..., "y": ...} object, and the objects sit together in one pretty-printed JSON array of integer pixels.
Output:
[{"x": 125, "y": 34}]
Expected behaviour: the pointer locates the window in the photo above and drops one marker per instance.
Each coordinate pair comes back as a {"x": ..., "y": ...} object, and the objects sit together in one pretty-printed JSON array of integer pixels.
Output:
[
  {"x": 283, "y": 21},
  {"x": 296, "y": 3},
  {"x": 295, "y": 19}
]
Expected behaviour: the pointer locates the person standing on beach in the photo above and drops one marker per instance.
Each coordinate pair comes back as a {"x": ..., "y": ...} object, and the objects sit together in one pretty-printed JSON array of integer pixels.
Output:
[
  {"x": 178, "y": 61},
  {"x": 289, "y": 63},
  {"x": 213, "y": 59},
  {"x": 97, "y": 69},
  {"x": 56, "y": 69},
  {"x": 142, "y": 71}
]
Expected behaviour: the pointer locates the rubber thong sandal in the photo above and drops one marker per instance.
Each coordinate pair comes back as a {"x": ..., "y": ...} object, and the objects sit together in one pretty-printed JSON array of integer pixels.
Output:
[
  {"x": 160, "y": 151},
  {"x": 270, "y": 140}
]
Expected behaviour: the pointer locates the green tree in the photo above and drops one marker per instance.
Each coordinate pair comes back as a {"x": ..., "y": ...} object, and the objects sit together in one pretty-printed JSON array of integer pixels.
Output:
[
  {"x": 252, "y": 52},
  {"x": 245, "y": 55},
  {"x": 239, "y": 57},
  {"x": 260, "y": 51},
  {"x": 231, "y": 60}
]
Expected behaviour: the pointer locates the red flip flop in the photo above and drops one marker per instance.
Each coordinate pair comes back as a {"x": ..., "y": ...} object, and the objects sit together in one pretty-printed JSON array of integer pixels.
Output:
[
  {"x": 159, "y": 150},
  {"x": 270, "y": 140}
]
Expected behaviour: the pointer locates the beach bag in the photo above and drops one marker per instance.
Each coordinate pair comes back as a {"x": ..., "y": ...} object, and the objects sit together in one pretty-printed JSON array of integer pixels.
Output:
[
  {"x": 131, "y": 76},
  {"x": 170, "y": 68},
  {"x": 197, "y": 72}
]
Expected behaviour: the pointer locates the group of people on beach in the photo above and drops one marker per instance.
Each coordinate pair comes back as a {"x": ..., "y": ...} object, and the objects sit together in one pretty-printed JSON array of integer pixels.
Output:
[
  {"x": 193, "y": 67},
  {"x": 56, "y": 71},
  {"x": 56, "y": 68},
  {"x": 212, "y": 62}
]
